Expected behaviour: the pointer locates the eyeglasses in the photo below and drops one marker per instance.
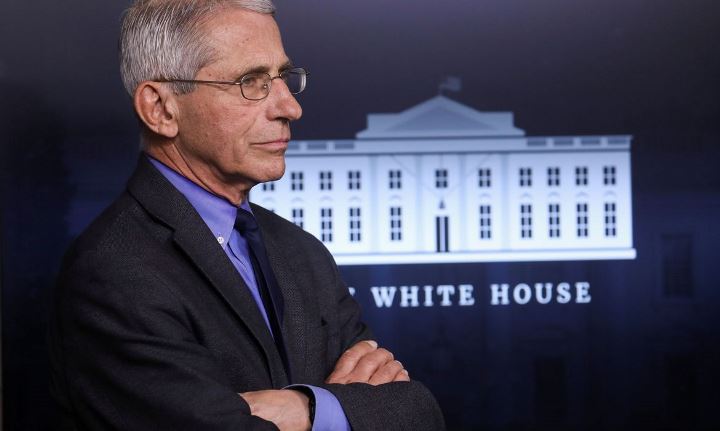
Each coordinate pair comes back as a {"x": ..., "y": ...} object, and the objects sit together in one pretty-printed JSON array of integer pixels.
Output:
[{"x": 256, "y": 85}]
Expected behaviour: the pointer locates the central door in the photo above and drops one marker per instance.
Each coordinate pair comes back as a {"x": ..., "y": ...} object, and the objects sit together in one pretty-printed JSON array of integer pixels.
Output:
[{"x": 442, "y": 239}]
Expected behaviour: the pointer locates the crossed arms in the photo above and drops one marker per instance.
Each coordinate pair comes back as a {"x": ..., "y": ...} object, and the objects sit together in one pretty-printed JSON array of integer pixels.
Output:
[{"x": 362, "y": 363}]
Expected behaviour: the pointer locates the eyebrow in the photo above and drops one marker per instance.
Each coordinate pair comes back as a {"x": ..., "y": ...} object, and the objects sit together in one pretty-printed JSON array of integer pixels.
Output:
[{"x": 288, "y": 64}]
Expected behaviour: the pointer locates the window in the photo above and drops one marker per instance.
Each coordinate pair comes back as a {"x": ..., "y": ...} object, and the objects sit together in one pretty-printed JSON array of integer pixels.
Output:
[
  {"x": 441, "y": 178},
  {"x": 395, "y": 178},
  {"x": 554, "y": 220},
  {"x": 298, "y": 217},
  {"x": 581, "y": 176},
  {"x": 553, "y": 176},
  {"x": 268, "y": 187},
  {"x": 296, "y": 181},
  {"x": 610, "y": 219},
  {"x": 526, "y": 221},
  {"x": 484, "y": 178},
  {"x": 525, "y": 177},
  {"x": 325, "y": 180},
  {"x": 581, "y": 218},
  {"x": 609, "y": 175},
  {"x": 353, "y": 180},
  {"x": 485, "y": 222},
  {"x": 355, "y": 225},
  {"x": 395, "y": 224},
  {"x": 677, "y": 265},
  {"x": 326, "y": 225}
]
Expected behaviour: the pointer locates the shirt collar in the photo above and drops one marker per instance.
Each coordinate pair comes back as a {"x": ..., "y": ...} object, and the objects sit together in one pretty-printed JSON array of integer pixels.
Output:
[{"x": 217, "y": 213}]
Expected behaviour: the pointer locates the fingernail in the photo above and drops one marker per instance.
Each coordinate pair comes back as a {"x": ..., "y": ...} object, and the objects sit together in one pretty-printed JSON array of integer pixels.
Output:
[
  {"x": 373, "y": 343},
  {"x": 406, "y": 372},
  {"x": 399, "y": 362}
]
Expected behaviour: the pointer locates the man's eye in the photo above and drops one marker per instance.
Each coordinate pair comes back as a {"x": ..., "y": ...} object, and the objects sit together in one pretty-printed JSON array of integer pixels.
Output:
[{"x": 250, "y": 81}]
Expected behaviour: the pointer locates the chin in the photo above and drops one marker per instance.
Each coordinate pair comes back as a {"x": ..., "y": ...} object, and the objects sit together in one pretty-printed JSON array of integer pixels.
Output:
[
  {"x": 280, "y": 169},
  {"x": 273, "y": 173}
]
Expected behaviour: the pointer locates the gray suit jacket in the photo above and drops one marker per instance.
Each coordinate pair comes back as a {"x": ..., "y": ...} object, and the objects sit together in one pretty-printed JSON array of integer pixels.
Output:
[{"x": 154, "y": 329}]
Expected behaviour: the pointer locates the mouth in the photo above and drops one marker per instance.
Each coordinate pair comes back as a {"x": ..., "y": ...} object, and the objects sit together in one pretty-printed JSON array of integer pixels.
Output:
[{"x": 280, "y": 144}]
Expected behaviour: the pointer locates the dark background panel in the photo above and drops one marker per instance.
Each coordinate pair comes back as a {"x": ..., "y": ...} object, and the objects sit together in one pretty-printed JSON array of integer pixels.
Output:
[{"x": 642, "y": 355}]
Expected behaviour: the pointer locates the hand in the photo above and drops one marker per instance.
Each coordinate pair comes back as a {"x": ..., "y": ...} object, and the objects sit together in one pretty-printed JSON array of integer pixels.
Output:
[
  {"x": 366, "y": 363},
  {"x": 286, "y": 408}
]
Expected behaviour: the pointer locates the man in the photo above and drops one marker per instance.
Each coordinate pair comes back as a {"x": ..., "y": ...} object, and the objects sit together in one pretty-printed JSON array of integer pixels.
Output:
[{"x": 174, "y": 310}]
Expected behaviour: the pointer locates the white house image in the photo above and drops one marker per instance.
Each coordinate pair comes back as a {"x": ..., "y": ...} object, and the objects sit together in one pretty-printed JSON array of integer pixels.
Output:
[{"x": 442, "y": 182}]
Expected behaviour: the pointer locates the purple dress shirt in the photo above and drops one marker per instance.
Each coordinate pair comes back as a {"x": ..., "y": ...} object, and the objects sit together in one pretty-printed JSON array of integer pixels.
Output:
[{"x": 219, "y": 215}]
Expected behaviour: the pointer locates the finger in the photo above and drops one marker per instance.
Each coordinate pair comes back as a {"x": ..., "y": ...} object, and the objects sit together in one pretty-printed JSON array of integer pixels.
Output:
[
  {"x": 368, "y": 365},
  {"x": 386, "y": 374},
  {"x": 252, "y": 399},
  {"x": 402, "y": 376},
  {"x": 349, "y": 359}
]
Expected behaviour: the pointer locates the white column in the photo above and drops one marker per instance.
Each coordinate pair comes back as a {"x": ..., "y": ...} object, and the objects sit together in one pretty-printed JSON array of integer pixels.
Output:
[
  {"x": 503, "y": 178},
  {"x": 462, "y": 203},
  {"x": 420, "y": 215},
  {"x": 373, "y": 231}
]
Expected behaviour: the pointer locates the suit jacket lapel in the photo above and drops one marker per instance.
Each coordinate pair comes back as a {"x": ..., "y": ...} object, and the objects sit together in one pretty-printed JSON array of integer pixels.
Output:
[
  {"x": 191, "y": 235},
  {"x": 295, "y": 319}
]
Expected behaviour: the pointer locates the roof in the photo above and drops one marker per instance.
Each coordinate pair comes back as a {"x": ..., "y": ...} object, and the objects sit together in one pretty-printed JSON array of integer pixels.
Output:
[{"x": 440, "y": 117}]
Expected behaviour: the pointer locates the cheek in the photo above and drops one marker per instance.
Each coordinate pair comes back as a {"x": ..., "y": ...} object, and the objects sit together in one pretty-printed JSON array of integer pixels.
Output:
[
  {"x": 235, "y": 132},
  {"x": 222, "y": 131},
  {"x": 202, "y": 129}
]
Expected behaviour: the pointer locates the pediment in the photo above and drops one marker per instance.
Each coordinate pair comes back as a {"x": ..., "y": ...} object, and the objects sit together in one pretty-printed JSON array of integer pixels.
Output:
[{"x": 440, "y": 117}]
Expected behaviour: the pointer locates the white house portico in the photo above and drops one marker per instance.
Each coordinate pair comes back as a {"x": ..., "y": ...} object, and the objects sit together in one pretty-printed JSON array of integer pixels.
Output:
[{"x": 442, "y": 182}]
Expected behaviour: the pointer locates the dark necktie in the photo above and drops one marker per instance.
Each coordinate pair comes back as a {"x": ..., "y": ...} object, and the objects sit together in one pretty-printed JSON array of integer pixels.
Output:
[{"x": 269, "y": 289}]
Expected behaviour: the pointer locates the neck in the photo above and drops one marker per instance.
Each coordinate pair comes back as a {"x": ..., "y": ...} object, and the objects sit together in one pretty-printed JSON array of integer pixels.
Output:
[{"x": 170, "y": 156}]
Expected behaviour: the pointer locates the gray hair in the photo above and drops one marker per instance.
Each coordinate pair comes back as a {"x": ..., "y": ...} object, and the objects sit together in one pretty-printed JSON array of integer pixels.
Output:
[{"x": 164, "y": 39}]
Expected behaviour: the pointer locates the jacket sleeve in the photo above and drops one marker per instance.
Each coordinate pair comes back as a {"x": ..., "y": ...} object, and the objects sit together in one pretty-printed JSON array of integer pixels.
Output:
[
  {"x": 124, "y": 356},
  {"x": 391, "y": 406}
]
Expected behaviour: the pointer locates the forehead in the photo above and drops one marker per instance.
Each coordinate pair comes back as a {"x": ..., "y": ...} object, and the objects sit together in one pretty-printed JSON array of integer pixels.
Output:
[{"x": 242, "y": 38}]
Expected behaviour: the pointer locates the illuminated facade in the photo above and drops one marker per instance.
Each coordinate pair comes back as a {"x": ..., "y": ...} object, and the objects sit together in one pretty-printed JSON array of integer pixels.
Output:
[{"x": 442, "y": 182}]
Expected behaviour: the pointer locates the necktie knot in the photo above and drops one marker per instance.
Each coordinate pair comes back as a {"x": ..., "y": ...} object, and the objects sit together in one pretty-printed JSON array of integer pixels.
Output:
[{"x": 245, "y": 223}]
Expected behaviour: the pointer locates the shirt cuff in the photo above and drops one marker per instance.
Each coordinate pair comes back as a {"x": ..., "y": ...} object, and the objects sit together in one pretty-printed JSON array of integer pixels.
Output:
[{"x": 329, "y": 414}]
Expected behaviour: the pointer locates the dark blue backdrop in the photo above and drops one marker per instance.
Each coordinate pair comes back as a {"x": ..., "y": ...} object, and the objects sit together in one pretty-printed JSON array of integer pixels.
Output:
[{"x": 642, "y": 355}]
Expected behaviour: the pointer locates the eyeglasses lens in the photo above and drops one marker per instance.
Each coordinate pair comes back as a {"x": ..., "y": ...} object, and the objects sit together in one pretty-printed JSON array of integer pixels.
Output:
[
  {"x": 295, "y": 79},
  {"x": 254, "y": 85}
]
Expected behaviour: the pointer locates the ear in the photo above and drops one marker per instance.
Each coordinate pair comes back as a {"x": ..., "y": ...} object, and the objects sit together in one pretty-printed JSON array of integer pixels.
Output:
[{"x": 156, "y": 106}]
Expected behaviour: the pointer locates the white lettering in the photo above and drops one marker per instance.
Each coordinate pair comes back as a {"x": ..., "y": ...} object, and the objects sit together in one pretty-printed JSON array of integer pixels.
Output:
[
  {"x": 563, "y": 293},
  {"x": 445, "y": 290},
  {"x": 409, "y": 296},
  {"x": 466, "y": 295},
  {"x": 543, "y": 299},
  {"x": 522, "y": 294},
  {"x": 428, "y": 296},
  {"x": 383, "y": 295},
  {"x": 582, "y": 292},
  {"x": 352, "y": 291},
  {"x": 500, "y": 294}
]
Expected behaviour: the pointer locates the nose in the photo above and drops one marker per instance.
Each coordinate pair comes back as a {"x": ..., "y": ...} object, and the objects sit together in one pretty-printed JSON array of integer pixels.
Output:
[{"x": 283, "y": 104}]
